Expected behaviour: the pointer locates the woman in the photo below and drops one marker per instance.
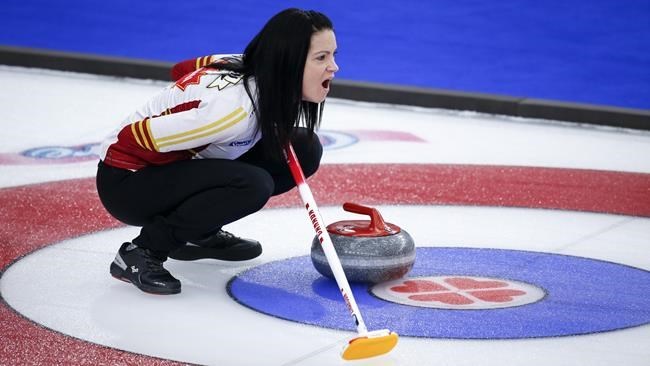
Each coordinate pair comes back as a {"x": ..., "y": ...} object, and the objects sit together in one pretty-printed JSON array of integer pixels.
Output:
[{"x": 208, "y": 150}]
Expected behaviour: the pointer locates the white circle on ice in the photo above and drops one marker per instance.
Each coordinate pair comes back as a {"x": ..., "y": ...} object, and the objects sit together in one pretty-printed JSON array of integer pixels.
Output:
[{"x": 458, "y": 292}]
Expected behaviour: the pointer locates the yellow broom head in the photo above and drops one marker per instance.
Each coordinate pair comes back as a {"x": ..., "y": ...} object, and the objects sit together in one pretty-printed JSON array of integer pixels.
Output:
[{"x": 370, "y": 344}]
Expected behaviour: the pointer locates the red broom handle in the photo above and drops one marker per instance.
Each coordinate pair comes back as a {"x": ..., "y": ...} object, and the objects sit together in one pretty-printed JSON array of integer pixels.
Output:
[{"x": 324, "y": 238}]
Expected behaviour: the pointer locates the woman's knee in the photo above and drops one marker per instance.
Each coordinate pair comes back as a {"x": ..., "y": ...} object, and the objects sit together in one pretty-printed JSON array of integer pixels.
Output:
[
  {"x": 308, "y": 149},
  {"x": 257, "y": 187}
]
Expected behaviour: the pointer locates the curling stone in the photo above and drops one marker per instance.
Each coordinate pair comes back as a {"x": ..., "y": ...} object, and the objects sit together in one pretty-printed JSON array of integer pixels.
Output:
[{"x": 370, "y": 251}]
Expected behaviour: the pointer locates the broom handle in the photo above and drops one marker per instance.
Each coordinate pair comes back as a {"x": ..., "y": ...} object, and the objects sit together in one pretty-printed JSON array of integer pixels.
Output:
[{"x": 324, "y": 238}]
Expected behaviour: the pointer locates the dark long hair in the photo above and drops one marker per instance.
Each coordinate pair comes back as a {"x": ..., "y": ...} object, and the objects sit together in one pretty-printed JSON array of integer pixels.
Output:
[{"x": 275, "y": 58}]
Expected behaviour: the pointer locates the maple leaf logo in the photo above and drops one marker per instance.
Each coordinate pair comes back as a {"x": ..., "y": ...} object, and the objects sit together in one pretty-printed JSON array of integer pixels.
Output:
[{"x": 192, "y": 78}]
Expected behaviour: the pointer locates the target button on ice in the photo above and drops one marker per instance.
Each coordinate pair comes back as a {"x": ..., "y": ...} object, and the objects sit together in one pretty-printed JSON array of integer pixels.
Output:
[{"x": 458, "y": 292}]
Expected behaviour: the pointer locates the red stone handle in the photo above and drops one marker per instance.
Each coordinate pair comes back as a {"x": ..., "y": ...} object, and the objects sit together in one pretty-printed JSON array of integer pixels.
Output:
[{"x": 377, "y": 223}]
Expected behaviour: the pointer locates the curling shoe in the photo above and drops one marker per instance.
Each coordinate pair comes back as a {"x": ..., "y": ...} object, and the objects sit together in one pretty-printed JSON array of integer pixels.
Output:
[
  {"x": 144, "y": 269},
  {"x": 222, "y": 245}
]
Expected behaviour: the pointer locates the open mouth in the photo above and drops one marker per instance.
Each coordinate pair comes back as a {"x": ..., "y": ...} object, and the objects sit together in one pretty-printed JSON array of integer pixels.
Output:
[{"x": 326, "y": 84}]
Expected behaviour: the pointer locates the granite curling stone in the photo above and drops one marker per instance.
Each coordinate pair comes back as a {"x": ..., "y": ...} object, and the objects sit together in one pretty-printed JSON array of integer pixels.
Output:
[{"x": 370, "y": 251}]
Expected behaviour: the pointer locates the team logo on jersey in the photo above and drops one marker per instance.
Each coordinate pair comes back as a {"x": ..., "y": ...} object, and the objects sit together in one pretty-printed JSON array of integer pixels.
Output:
[
  {"x": 240, "y": 143},
  {"x": 225, "y": 80},
  {"x": 193, "y": 78}
]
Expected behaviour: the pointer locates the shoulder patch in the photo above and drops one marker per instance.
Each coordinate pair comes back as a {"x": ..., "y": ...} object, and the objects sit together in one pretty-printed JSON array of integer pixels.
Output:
[
  {"x": 189, "y": 79},
  {"x": 225, "y": 80}
]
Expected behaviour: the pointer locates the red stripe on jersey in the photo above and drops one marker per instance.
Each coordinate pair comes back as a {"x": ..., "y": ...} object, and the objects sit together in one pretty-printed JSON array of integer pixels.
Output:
[
  {"x": 128, "y": 136},
  {"x": 146, "y": 135},
  {"x": 137, "y": 131},
  {"x": 128, "y": 153},
  {"x": 135, "y": 147},
  {"x": 134, "y": 133},
  {"x": 185, "y": 106}
]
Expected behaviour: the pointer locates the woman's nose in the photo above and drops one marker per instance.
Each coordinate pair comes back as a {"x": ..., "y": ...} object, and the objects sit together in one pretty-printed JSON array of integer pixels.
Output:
[{"x": 333, "y": 67}]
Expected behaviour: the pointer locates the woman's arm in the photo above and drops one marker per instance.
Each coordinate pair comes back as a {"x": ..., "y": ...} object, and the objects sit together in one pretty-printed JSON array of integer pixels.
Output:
[{"x": 185, "y": 67}]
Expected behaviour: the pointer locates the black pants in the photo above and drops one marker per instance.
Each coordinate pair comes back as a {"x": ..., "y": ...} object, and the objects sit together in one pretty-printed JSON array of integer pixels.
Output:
[{"x": 187, "y": 200}]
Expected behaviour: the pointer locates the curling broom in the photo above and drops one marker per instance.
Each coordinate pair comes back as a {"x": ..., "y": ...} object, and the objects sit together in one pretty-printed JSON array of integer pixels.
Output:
[{"x": 366, "y": 344}]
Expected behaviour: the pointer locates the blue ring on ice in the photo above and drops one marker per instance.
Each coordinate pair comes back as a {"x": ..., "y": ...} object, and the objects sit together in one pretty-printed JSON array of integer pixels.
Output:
[
  {"x": 332, "y": 140},
  {"x": 583, "y": 296}
]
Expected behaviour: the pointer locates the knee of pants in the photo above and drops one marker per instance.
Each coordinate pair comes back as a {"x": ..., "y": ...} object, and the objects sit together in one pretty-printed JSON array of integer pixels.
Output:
[
  {"x": 259, "y": 187},
  {"x": 309, "y": 151}
]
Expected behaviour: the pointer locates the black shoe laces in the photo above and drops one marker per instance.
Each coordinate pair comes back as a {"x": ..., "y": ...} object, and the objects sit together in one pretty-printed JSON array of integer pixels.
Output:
[
  {"x": 221, "y": 239},
  {"x": 153, "y": 264},
  {"x": 226, "y": 236}
]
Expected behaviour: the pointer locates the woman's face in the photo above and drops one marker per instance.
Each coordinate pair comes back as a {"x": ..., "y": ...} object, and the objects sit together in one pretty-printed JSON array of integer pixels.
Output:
[{"x": 319, "y": 66}]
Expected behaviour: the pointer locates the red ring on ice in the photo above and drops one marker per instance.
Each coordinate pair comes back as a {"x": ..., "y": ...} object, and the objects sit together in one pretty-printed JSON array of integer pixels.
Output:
[{"x": 35, "y": 216}]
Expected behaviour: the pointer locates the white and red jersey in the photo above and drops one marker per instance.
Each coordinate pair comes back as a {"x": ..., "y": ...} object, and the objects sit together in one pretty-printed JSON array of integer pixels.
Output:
[{"x": 206, "y": 113}]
